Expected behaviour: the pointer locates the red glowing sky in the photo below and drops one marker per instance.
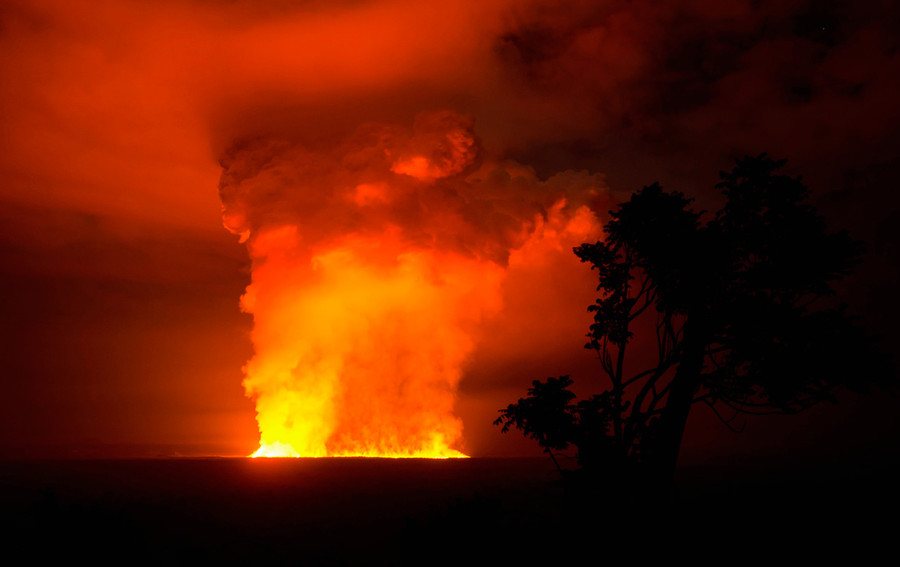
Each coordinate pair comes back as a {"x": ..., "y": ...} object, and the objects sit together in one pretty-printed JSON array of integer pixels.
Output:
[{"x": 121, "y": 332}]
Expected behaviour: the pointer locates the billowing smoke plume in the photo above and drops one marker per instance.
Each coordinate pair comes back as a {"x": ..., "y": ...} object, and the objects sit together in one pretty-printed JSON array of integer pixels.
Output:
[{"x": 374, "y": 263}]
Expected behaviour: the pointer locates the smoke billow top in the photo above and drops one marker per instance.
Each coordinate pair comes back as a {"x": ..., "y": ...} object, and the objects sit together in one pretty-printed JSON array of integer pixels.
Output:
[{"x": 375, "y": 262}]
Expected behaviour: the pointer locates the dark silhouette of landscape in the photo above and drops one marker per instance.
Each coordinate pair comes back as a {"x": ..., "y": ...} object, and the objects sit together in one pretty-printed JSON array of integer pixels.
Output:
[{"x": 429, "y": 512}]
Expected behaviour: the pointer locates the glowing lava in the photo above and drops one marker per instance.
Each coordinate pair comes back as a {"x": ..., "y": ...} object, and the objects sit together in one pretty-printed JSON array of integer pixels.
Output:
[{"x": 359, "y": 349}]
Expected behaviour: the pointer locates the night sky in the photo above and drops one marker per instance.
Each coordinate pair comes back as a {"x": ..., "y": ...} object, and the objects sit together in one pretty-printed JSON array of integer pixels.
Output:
[{"x": 122, "y": 333}]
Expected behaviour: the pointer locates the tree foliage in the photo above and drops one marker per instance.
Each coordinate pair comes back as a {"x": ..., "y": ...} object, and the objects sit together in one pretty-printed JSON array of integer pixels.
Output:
[{"x": 737, "y": 303}]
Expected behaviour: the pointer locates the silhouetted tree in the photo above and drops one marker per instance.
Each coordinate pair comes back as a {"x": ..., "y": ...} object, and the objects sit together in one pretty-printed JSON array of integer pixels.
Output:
[
  {"x": 736, "y": 306},
  {"x": 546, "y": 415}
]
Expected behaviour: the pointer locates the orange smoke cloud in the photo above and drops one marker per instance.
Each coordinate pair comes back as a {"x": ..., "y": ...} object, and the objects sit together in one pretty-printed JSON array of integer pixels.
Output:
[{"x": 375, "y": 264}]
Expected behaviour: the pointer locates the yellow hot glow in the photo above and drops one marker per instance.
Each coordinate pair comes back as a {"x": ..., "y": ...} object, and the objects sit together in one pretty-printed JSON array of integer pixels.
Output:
[
  {"x": 276, "y": 449},
  {"x": 359, "y": 348}
]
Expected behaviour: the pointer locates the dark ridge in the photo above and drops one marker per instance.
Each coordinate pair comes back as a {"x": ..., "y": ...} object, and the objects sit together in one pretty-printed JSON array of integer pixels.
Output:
[{"x": 421, "y": 511}]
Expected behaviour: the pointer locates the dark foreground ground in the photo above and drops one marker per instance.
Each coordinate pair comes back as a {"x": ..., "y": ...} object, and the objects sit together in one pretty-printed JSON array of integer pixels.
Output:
[{"x": 424, "y": 512}]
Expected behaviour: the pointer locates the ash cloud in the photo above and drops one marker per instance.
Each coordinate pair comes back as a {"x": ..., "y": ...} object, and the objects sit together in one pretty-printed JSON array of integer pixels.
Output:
[
  {"x": 433, "y": 183},
  {"x": 396, "y": 236}
]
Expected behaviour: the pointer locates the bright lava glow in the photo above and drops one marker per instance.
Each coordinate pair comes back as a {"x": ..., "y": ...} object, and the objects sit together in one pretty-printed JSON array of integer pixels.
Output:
[
  {"x": 284, "y": 450},
  {"x": 359, "y": 349},
  {"x": 375, "y": 264}
]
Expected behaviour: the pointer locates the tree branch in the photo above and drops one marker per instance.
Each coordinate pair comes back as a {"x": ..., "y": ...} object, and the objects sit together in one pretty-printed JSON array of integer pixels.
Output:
[{"x": 726, "y": 422}]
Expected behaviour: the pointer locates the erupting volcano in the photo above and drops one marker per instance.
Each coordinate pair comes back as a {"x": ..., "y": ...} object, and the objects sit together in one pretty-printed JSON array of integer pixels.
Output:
[{"x": 375, "y": 262}]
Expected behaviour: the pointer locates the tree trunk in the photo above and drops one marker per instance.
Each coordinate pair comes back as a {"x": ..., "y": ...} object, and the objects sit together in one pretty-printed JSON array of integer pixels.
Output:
[{"x": 674, "y": 417}]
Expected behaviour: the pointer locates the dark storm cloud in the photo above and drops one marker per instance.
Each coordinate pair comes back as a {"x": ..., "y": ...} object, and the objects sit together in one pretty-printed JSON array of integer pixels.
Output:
[{"x": 797, "y": 79}]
